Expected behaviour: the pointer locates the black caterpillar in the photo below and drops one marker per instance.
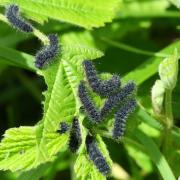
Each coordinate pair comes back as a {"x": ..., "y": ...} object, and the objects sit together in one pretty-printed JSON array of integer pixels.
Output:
[
  {"x": 96, "y": 156},
  {"x": 75, "y": 138},
  {"x": 64, "y": 127},
  {"x": 121, "y": 117},
  {"x": 12, "y": 14},
  {"x": 47, "y": 53},
  {"x": 117, "y": 98},
  {"x": 101, "y": 87},
  {"x": 90, "y": 108}
]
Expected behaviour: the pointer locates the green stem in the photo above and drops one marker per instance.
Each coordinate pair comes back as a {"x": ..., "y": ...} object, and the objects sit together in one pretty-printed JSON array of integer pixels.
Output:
[
  {"x": 133, "y": 49},
  {"x": 168, "y": 108},
  {"x": 168, "y": 122},
  {"x": 3, "y": 18}
]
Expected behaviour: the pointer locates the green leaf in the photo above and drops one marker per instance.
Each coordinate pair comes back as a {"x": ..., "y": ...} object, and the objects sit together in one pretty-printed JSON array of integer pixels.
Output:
[
  {"x": 155, "y": 155},
  {"x": 15, "y": 58},
  {"x": 20, "y": 148},
  {"x": 88, "y": 170},
  {"x": 87, "y": 14},
  {"x": 150, "y": 66},
  {"x": 168, "y": 70},
  {"x": 25, "y": 148}
]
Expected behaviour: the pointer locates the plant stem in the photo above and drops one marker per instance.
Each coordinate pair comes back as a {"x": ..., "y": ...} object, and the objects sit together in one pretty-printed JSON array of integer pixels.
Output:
[
  {"x": 42, "y": 37},
  {"x": 133, "y": 49},
  {"x": 168, "y": 108},
  {"x": 3, "y": 18},
  {"x": 168, "y": 122}
]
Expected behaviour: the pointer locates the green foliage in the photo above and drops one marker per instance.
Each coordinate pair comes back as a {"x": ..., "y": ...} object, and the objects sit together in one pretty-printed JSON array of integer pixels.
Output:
[
  {"x": 76, "y": 12},
  {"x": 151, "y": 143}
]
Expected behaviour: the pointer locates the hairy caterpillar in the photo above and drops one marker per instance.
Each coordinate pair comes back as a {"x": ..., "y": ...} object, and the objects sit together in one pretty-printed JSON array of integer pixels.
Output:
[
  {"x": 90, "y": 108},
  {"x": 121, "y": 117},
  {"x": 12, "y": 14},
  {"x": 47, "y": 53},
  {"x": 101, "y": 87},
  {"x": 96, "y": 156},
  {"x": 75, "y": 138},
  {"x": 64, "y": 127},
  {"x": 116, "y": 99}
]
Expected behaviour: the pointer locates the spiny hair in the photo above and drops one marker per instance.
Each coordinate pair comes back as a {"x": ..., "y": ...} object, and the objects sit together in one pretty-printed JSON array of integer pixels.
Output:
[
  {"x": 117, "y": 98},
  {"x": 99, "y": 86},
  {"x": 75, "y": 138},
  {"x": 14, "y": 18},
  {"x": 47, "y": 53},
  {"x": 96, "y": 156},
  {"x": 64, "y": 127},
  {"x": 121, "y": 118},
  {"x": 88, "y": 105}
]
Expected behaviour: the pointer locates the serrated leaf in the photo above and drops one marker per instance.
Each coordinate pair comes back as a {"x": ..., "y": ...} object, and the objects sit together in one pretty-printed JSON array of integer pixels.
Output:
[
  {"x": 168, "y": 70},
  {"x": 94, "y": 13},
  {"x": 20, "y": 148},
  {"x": 25, "y": 148},
  {"x": 88, "y": 169}
]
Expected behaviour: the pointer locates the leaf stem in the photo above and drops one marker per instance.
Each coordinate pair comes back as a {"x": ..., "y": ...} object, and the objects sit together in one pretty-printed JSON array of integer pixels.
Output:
[
  {"x": 168, "y": 122},
  {"x": 3, "y": 18},
  {"x": 168, "y": 108},
  {"x": 133, "y": 49}
]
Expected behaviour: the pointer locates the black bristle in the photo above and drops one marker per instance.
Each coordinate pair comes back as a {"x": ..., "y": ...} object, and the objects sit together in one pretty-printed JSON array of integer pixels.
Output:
[
  {"x": 96, "y": 156},
  {"x": 75, "y": 138},
  {"x": 121, "y": 118},
  {"x": 117, "y": 98},
  {"x": 47, "y": 53},
  {"x": 90, "y": 108},
  {"x": 12, "y": 14},
  {"x": 101, "y": 87}
]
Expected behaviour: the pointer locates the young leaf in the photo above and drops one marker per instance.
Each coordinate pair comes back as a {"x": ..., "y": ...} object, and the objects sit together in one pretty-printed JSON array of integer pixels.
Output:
[
  {"x": 157, "y": 96},
  {"x": 94, "y": 13},
  {"x": 168, "y": 70}
]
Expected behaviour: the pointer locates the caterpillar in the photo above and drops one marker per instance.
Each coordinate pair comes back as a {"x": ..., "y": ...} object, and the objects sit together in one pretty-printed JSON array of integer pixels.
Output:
[
  {"x": 47, "y": 53},
  {"x": 116, "y": 99},
  {"x": 12, "y": 14},
  {"x": 101, "y": 87},
  {"x": 90, "y": 108},
  {"x": 121, "y": 117},
  {"x": 96, "y": 156},
  {"x": 64, "y": 127},
  {"x": 75, "y": 138}
]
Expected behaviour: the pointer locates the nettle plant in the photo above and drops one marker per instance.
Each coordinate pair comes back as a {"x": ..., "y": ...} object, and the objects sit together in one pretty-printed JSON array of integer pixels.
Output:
[{"x": 81, "y": 106}]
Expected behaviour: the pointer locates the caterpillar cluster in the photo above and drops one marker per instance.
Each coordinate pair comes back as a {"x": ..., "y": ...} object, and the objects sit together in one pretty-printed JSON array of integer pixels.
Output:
[
  {"x": 101, "y": 87},
  {"x": 96, "y": 156},
  {"x": 117, "y": 98},
  {"x": 114, "y": 99},
  {"x": 14, "y": 18},
  {"x": 47, "y": 53}
]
